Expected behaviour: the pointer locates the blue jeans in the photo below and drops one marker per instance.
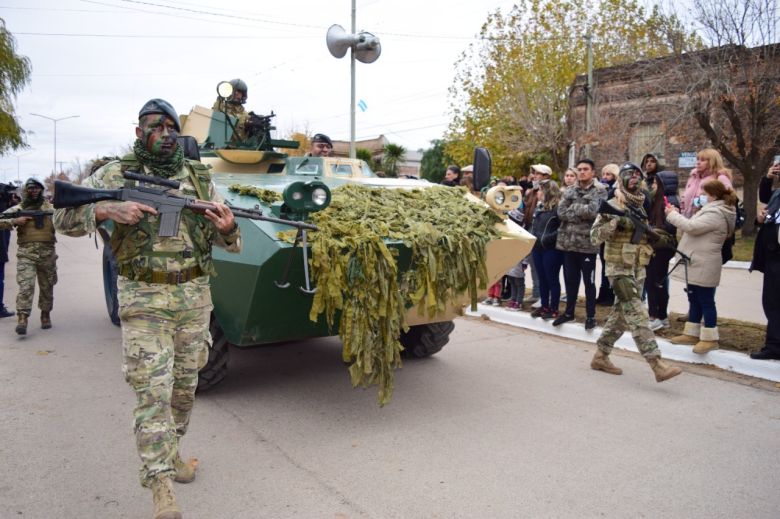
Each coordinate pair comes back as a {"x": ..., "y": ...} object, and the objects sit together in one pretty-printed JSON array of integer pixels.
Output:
[
  {"x": 548, "y": 265},
  {"x": 701, "y": 304}
]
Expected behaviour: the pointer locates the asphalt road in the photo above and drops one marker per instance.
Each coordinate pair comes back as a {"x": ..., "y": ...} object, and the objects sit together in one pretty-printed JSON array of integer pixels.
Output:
[{"x": 501, "y": 424}]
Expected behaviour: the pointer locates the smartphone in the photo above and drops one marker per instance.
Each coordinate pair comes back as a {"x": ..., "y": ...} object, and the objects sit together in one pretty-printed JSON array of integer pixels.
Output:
[{"x": 666, "y": 201}]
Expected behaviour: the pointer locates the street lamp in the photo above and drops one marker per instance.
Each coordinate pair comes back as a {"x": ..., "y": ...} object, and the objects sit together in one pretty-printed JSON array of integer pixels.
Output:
[
  {"x": 55, "y": 121},
  {"x": 17, "y": 162}
]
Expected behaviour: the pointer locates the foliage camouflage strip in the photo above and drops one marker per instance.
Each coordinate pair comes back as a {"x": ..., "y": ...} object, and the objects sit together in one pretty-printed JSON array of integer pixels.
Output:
[{"x": 265, "y": 195}]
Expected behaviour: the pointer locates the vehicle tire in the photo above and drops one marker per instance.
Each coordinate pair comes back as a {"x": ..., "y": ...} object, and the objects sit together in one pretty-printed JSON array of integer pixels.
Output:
[
  {"x": 110, "y": 273},
  {"x": 425, "y": 340},
  {"x": 216, "y": 368}
]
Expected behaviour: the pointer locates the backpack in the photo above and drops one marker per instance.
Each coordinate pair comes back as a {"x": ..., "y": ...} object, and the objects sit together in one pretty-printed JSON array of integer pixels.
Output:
[{"x": 727, "y": 251}]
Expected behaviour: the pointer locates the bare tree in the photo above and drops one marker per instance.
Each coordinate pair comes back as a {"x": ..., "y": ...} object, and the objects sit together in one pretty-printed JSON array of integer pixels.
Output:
[{"x": 732, "y": 90}]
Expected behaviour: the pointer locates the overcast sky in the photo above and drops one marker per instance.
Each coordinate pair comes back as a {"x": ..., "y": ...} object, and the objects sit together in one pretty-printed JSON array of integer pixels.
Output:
[{"x": 102, "y": 59}]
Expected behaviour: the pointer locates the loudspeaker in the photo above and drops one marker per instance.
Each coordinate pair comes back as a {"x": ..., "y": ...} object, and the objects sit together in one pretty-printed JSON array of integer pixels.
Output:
[{"x": 365, "y": 45}]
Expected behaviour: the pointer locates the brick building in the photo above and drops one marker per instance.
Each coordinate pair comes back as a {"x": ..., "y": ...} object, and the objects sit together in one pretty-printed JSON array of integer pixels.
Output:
[{"x": 640, "y": 108}]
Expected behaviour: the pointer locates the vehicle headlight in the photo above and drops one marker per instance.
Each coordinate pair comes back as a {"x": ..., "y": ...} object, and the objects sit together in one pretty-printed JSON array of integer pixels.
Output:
[
  {"x": 504, "y": 198},
  {"x": 306, "y": 197}
]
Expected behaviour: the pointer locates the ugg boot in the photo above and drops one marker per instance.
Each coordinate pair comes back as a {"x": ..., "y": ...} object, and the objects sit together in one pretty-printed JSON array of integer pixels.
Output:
[
  {"x": 662, "y": 370},
  {"x": 165, "y": 506},
  {"x": 45, "y": 320},
  {"x": 708, "y": 340},
  {"x": 185, "y": 472},
  {"x": 21, "y": 326},
  {"x": 601, "y": 362},
  {"x": 690, "y": 334}
]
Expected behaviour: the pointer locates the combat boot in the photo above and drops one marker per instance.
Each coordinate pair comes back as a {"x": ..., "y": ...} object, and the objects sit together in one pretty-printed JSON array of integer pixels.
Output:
[
  {"x": 21, "y": 326},
  {"x": 662, "y": 370},
  {"x": 601, "y": 362},
  {"x": 708, "y": 340},
  {"x": 45, "y": 320},
  {"x": 165, "y": 506},
  {"x": 690, "y": 334},
  {"x": 185, "y": 472}
]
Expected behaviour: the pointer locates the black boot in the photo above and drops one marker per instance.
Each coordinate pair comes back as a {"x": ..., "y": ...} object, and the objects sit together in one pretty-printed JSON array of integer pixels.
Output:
[{"x": 4, "y": 312}]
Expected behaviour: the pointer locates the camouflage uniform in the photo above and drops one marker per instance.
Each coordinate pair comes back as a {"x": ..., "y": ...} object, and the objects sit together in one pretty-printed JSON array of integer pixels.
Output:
[
  {"x": 36, "y": 258},
  {"x": 235, "y": 110},
  {"x": 164, "y": 305},
  {"x": 625, "y": 268}
]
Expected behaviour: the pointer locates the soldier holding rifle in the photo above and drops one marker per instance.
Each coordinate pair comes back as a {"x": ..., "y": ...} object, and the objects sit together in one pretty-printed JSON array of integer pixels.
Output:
[
  {"x": 626, "y": 254},
  {"x": 164, "y": 297},
  {"x": 36, "y": 256}
]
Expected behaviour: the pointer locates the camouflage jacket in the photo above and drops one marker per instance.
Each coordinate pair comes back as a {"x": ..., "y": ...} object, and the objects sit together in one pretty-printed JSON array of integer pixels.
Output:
[
  {"x": 577, "y": 211},
  {"x": 622, "y": 257},
  {"x": 235, "y": 110},
  {"x": 28, "y": 233},
  {"x": 192, "y": 294}
]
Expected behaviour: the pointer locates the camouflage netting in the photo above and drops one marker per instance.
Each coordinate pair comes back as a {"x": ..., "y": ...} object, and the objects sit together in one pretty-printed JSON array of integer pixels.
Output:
[
  {"x": 265, "y": 195},
  {"x": 354, "y": 265}
]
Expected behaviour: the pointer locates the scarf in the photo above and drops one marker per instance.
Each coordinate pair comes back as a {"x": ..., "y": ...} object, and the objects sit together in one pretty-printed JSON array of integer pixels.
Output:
[{"x": 165, "y": 167}]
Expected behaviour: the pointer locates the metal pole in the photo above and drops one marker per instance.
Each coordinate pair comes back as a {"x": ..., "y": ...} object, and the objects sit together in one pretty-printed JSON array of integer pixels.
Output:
[
  {"x": 54, "y": 169},
  {"x": 352, "y": 151}
]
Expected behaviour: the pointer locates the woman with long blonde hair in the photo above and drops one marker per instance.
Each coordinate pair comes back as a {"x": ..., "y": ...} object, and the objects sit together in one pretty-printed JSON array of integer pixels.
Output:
[{"x": 709, "y": 166}]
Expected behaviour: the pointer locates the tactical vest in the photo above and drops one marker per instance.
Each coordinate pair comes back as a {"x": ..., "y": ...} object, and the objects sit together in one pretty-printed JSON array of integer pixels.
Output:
[
  {"x": 619, "y": 249},
  {"x": 133, "y": 245},
  {"x": 28, "y": 233}
]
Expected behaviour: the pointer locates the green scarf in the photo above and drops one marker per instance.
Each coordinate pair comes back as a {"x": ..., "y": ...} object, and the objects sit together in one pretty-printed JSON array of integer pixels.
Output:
[
  {"x": 32, "y": 204},
  {"x": 165, "y": 167}
]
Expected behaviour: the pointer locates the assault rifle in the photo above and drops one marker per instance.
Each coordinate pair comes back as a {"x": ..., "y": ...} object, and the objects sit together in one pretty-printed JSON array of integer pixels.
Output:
[
  {"x": 38, "y": 216},
  {"x": 641, "y": 227},
  {"x": 168, "y": 205}
]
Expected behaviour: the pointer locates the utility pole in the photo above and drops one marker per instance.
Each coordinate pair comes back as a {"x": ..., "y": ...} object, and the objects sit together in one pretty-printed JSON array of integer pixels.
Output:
[
  {"x": 589, "y": 92},
  {"x": 55, "y": 121},
  {"x": 18, "y": 176}
]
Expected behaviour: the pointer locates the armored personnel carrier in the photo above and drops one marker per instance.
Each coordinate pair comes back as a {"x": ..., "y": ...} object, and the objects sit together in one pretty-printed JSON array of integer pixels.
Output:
[{"x": 264, "y": 294}]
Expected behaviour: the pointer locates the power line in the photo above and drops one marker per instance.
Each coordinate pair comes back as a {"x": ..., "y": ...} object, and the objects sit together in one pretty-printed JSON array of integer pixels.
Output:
[{"x": 162, "y": 36}]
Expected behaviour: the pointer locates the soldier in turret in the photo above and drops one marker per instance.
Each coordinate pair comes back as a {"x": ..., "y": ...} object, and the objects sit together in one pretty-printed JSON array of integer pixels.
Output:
[
  {"x": 321, "y": 146},
  {"x": 234, "y": 106},
  {"x": 35, "y": 255},
  {"x": 625, "y": 265}
]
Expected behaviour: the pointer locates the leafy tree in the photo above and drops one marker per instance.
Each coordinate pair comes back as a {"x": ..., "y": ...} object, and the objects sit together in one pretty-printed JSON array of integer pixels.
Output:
[
  {"x": 393, "y": 156},
  {"x": 733, "y": 90},
  {"x": 14, "y": 75},
  {"x": 510, "y": 92},
  {"x": 364, "y": 154},
  {"x": 435, "y": 161}
]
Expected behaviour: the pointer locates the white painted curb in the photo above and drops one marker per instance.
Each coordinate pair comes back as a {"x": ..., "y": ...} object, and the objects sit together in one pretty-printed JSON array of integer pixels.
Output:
[
  {"x": 728, "y": 360},
  {"x": 742, "y": 265}
]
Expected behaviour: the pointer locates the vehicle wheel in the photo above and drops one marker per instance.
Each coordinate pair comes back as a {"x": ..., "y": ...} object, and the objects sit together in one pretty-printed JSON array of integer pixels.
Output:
[
  {"x": 424, "y": 340},
  {"x": 110, "y": 273},
  {"x": 216, "y": 368}
]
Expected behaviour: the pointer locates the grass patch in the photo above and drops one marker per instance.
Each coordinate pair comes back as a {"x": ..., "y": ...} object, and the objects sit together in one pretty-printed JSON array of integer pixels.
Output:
[{"x": 743, "y": 247}]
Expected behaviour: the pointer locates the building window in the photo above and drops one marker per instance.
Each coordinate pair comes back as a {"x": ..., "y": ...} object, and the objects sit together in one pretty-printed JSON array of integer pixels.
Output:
[{"x": 646, "y": 138}]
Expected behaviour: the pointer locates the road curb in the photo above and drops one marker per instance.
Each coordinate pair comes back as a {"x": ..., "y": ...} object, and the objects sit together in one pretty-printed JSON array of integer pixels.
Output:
[
  {"x": 742, "y": 265},
  {"x": 724, "y": 359}
]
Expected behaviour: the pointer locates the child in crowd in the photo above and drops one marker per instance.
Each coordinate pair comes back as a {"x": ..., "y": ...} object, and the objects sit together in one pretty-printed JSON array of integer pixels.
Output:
[{"x": 516, "y": 277}]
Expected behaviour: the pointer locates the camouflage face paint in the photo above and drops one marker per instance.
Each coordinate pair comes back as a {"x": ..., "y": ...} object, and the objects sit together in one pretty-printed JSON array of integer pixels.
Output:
[
  {"x": 159, "y": 135},
  {"x": 630, "y": 179}
]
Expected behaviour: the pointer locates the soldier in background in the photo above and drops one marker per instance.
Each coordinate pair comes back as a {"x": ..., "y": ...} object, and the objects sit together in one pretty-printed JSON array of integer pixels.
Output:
[
  {"x": 35, "y": 255},
  {"x": 234, "y": 106},
  {"x": 164, "y": 296},
  {"x": 6, "y": 201},
  {"x": 625, "y": 264}
]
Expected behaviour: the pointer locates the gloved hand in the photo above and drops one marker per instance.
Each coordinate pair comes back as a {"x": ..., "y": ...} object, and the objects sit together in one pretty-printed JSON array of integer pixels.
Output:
[{"x": 624, "y": 223}]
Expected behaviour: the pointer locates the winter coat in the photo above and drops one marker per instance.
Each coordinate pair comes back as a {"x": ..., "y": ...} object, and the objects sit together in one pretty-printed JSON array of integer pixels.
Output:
[
  {"x": 766, "y": 246},
  {"x": 577, "y": 211},
  {"x": 669, "y": 182},
  {"x": 693, "y": 189},
  {"x": 545, "y": 228},
  {"x": 702, "y": 240}
]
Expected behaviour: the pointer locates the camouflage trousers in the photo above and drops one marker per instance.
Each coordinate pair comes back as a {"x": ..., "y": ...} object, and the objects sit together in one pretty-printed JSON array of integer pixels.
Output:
[
  {"x": 163, "y": 352},
  {"x": 628, "y": 313},
  {"x": 35, "y": 260}
]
